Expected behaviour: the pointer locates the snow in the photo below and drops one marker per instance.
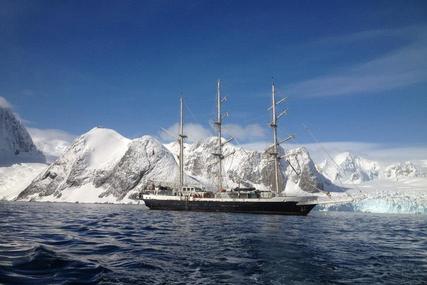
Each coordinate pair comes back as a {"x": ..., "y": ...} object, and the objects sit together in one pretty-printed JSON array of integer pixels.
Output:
[
  {"x": 406, "y": 169},
  {"x": 397, "y": 188},
  {"x": 14, "y": 178},
  {"x": 87, "y": 193},
  {"x": 104, "y": 167},
  {"x": 242, "y": 167},
  {"x": 408, "y": 195},
  {"x": 20, "y": 160},
  {"x": 349, "y": 168},
  {"x": 104, "y": 147}
]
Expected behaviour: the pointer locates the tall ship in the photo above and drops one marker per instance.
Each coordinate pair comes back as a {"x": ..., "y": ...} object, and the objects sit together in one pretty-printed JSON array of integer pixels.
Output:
[{"x": 185, "y": 197}]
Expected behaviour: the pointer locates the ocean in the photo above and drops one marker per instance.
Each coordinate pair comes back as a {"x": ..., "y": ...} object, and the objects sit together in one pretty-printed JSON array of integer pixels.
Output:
[{"x": 60, "y": 243}]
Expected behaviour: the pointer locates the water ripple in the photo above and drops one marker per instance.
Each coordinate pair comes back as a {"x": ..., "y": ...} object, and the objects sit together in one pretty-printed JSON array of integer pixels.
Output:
[{"x": 46, "y": 243}]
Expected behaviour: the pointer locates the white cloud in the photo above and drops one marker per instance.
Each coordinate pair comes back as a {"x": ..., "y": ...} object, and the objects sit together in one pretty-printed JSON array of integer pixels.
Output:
[
  {"x": 401, "y": 67},
  {"x": 194, "y": 132},
  {"x": 258, "y": 146},
  {"x": 4, "y": 103},
  {"x": 382, "y": 153},
  {"x": 197, "y": 132},
  {"x": 244, "y": 133},
  {"x": 51, "y": 142}
]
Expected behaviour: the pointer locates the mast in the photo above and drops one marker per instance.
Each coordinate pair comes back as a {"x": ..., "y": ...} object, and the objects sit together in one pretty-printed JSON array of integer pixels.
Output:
[
  {"x": 276, "y": 142},
  {"x": 218, "y": 124},
  {"x": 273, "y": 125},
  {"x": 181, "y": 138}
]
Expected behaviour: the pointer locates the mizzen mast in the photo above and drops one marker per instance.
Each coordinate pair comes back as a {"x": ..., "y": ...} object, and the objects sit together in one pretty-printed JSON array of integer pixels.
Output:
[{"x": 181, "y": 138}]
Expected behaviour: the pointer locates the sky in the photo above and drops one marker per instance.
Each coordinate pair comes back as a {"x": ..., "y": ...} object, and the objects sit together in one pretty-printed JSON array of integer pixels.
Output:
[{"x": 353, "y": 71}]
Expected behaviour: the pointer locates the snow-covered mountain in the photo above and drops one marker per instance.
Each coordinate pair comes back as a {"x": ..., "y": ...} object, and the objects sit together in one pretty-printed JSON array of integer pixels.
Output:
[
  {"x": 20, "y": 160},
  {"x": 349, "y": 168},
  {"x": 103, "y": 166},
  {"x": 403, "y": 169},
  {"x": 378, "y": 187},
  {"x": 16, "y": 144},
  {"x": 252, "y": 168}
]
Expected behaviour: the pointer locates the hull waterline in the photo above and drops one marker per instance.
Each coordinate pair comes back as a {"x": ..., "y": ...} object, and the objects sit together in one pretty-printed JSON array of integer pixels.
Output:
[{"x": 278, "y": 208}]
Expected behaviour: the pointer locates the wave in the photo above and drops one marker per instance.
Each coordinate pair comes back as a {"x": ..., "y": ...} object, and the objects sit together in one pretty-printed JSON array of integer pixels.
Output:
[{"x": 42, "y": 265}]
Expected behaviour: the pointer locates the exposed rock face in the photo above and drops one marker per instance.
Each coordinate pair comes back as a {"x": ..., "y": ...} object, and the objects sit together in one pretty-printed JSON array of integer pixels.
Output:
[
  {"x": 16, "y": 144},
  {"x": 302, "y": 171}
]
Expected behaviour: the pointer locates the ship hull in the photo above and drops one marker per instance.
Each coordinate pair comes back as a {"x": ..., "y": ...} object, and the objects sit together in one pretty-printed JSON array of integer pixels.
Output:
[{"x": 255, "y": 207}]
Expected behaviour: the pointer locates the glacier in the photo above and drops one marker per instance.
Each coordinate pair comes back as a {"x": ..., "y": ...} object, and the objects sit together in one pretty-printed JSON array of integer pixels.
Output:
[
  {"x": 377, "y": 187},
  {"x": 408, "y": 196}
]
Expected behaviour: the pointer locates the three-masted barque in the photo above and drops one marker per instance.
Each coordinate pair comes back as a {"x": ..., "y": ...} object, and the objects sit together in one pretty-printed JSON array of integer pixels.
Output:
[{"x": 244, "y": 200}]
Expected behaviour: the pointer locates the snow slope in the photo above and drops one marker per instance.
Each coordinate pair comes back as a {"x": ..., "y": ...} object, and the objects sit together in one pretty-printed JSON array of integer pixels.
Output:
[
  {"x": 20, "y": 160},
  {"x": 15, "y": 178}
]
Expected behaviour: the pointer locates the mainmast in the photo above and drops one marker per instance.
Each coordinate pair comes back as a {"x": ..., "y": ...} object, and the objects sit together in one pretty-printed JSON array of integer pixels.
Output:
[
  {"x": 218, "y": 124},
  {"x": 276, "y": 142},
  {"x": 181, "y": 138},
  {"x": 273, "y": 125}
]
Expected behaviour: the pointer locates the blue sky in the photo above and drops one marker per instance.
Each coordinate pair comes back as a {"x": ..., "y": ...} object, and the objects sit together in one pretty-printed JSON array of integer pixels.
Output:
[{"x": 354, "y": 71}]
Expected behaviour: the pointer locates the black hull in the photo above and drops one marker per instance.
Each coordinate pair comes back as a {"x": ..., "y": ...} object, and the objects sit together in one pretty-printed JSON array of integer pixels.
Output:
[{"x": 279, "y": 208}]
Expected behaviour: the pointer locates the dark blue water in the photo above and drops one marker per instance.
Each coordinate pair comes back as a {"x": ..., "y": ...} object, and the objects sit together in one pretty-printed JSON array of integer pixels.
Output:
[{"x": 49, "y": 243}]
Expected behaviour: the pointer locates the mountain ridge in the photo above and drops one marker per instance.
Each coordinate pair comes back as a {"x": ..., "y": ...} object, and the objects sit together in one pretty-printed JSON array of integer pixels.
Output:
[
  {"x": 16, "y": 144},
  {"x": 116, "y": 167}
]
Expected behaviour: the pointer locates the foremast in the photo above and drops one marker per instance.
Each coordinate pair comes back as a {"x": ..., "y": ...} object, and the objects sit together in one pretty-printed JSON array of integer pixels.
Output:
[{"x": 276, "y": 143}]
